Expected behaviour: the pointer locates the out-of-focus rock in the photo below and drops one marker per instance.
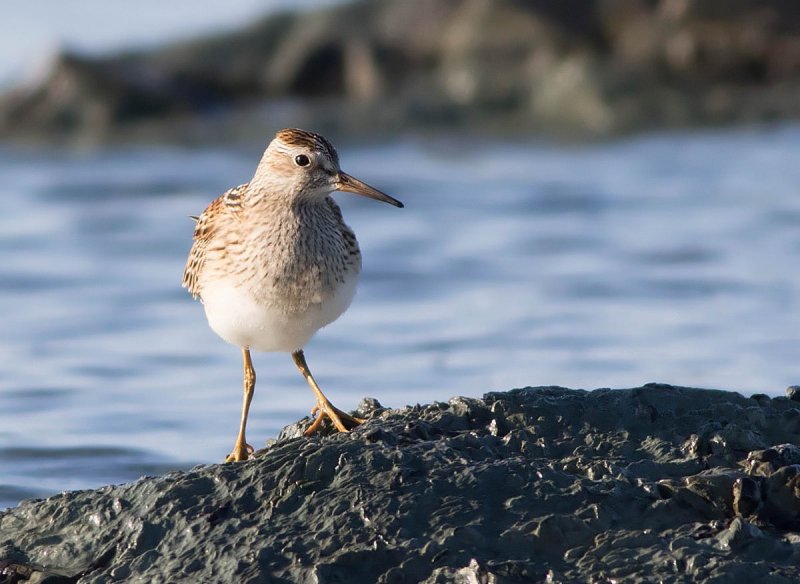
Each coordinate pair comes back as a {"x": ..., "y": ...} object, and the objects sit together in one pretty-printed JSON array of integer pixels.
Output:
[
  {"x": 81, "y": 94},
  {"x": 579, "y": 67}
]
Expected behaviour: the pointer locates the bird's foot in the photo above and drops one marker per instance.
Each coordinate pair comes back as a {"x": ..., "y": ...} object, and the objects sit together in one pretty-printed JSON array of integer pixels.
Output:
[
  {"x": 340, "y": 419},
  {"x": 241, "y": 451}
]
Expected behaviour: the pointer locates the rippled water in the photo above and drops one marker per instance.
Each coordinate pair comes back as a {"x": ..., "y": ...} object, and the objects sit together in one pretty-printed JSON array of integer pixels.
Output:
[{"x": 670, "y": 257}]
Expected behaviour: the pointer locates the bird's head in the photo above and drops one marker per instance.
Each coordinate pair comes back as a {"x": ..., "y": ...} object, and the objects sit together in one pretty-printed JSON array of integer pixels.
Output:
[{"x": 304, "y": 165}]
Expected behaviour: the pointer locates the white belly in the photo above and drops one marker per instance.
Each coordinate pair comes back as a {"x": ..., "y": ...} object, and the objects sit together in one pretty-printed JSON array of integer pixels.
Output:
[{"x": 235, "y": 316}]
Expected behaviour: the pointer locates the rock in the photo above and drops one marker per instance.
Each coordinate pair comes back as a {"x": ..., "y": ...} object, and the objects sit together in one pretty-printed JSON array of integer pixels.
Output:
[
  {"x": 524, "y": 485},
  {"x": 760, "y": 398},
  {"x": 747, "y": 497},
  {"x": 793, "y": 392},
  {"x": 782, "y": 496},
  {"x": 765, "y": 462},
  {"x": 716, "y": 486},
  {"x": 739, "y": 534},
  {"x": 573, "y": 67},
  {"x": 84, "y": 95}
]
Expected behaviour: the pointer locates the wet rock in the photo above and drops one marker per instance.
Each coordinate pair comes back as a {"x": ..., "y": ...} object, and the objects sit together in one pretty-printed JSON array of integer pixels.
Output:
[{"x": 647, "y": 484}]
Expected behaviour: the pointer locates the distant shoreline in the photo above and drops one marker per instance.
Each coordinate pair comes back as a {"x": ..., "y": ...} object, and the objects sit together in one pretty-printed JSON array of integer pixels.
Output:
[{"x": 572, "y": 70}]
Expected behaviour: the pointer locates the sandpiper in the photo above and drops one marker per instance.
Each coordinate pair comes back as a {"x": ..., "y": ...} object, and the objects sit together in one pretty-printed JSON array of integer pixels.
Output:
[{"x": 273, "y": 261}]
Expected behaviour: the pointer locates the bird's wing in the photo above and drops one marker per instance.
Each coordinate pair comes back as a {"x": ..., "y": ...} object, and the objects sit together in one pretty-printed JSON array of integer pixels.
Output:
[{"x": 205, "y": 229}]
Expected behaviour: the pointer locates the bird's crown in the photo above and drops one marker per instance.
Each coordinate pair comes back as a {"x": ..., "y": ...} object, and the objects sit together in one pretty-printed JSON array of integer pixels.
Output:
[{"x": 305, "y": 139}]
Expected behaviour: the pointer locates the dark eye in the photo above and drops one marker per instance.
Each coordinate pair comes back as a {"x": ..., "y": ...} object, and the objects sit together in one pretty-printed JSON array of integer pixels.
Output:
[{"x": 301, "y": 160}]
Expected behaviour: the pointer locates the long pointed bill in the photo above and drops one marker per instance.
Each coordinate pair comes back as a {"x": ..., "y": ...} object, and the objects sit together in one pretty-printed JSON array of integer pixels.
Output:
[{"x": 347, "y": 183}]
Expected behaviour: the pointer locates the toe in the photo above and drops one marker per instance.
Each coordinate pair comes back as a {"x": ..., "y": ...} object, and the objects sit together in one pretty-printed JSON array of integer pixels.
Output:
[
  {"x": 241, "y": 452},
  {"x": 315, "y": 425}
]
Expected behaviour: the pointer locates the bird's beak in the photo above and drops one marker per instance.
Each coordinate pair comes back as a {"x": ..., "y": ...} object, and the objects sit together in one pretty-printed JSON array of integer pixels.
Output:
[{"x": 347, "y": 183}]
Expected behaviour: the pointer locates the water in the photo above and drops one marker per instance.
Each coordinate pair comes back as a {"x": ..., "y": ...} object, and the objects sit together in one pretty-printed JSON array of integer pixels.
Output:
[{"x": 670, "y": 257}]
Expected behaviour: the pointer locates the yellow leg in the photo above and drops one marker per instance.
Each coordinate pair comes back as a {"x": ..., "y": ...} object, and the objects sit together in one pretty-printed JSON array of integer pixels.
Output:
[
  {"x": 242, "y": 450},
  {"x": 324, "y": 408}
]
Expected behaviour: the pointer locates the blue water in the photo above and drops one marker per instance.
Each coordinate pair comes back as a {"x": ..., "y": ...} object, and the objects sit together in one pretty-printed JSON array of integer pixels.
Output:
[{"x": 669, "y": 257}]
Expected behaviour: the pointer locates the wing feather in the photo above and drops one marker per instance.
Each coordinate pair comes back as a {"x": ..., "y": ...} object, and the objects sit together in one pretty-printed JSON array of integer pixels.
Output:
[{"x": 205, "y": 230}]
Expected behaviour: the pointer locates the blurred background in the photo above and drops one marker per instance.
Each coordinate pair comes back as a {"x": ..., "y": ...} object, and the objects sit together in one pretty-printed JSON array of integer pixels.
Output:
[{"x": 598, "y": 194}]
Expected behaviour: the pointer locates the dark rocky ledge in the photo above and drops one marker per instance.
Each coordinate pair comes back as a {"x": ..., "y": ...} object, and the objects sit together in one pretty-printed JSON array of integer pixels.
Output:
[{"x": 657, "y": 483}]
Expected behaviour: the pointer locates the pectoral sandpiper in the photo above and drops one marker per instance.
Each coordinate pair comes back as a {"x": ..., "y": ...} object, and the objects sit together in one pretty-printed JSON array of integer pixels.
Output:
[{"x": 273, "y": 261}]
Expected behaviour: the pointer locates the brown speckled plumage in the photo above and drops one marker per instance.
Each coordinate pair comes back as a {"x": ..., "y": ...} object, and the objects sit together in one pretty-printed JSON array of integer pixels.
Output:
[
  {"x": 273, "y": 260},
  {"x": 286, "y": 255},
  {"x": 206, "y": 231},
  {"x": 310, "y": 140}
]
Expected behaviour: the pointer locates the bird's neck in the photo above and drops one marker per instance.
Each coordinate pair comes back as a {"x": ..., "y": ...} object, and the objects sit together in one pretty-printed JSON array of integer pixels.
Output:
[
  {"x": 276, "y": 196},
  {"x": 265, "y": 191},
  {"x": 288, "y": 208}
]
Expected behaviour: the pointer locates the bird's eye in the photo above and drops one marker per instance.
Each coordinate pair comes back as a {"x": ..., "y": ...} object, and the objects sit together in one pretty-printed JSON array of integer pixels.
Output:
[{"x": 301, "y": 160}]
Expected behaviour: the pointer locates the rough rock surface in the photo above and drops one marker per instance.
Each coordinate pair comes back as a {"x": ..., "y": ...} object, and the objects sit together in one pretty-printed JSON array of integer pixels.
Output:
[
  {"x": 581, "y": 66},
  {"x": 657, "y": 483}
]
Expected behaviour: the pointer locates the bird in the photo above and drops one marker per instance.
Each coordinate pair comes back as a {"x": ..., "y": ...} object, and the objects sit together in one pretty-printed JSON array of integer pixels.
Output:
[{"x": 273, "y": 261}]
